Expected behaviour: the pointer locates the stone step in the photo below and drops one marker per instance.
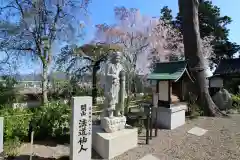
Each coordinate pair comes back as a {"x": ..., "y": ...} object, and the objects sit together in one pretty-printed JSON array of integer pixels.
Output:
[{"x": 149, "y": 157}]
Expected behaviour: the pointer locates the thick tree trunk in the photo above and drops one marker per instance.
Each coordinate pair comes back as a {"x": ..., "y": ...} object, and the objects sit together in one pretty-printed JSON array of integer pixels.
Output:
[
  {"x": 94, "y": 86},
  {"x": 45, "y": 84},
  {"x": 193, "y": 53}
]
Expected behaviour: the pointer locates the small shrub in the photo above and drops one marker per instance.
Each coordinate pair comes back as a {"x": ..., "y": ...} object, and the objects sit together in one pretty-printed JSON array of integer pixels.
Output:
[
  {"x": 11, "y": 148},
  {"x": 194, "y": 111},
  {"x": 16, "y": 123},
  {"x": 236, "y": 101},
  {"x": 51, "y": 120}
]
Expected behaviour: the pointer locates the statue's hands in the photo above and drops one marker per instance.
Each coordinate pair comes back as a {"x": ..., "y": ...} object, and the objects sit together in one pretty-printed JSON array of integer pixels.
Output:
[{"x": 114, "y": 81}]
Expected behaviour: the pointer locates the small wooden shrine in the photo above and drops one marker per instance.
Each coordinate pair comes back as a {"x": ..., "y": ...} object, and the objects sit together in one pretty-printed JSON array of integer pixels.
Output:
[{"x": 171, "y": 80}]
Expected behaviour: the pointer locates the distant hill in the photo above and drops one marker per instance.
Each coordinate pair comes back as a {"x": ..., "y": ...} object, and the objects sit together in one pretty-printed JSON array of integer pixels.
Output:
[
  {"x": 57, "y": 75},
  {"x": 28, "y": 77},
  {"x": 38, "y": 77},
  {"x": 54, "y": 75}
]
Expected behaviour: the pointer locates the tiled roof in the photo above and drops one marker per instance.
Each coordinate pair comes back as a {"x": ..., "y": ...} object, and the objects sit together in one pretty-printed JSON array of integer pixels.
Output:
[
  {"x": 228, "y": 66},
  {"x": 168, "y": 71}
]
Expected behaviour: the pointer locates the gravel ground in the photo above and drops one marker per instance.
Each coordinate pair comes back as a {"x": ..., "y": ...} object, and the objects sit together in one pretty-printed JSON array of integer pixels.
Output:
[{"x": 221, "y": 142}]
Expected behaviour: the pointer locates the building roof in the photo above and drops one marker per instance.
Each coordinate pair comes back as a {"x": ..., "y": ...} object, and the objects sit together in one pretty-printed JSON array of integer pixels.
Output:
[
  {"x": 169, "y": 71},
  {"x": 228, "y": 67}
]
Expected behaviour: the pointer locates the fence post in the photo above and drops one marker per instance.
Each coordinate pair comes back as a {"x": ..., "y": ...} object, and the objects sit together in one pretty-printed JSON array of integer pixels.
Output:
[
  {"x": 151, "y": 123},
  {"x": 31, "y": 152},
  {"x": 147, "y": 130},
  {"x": 1, "y": 134}
]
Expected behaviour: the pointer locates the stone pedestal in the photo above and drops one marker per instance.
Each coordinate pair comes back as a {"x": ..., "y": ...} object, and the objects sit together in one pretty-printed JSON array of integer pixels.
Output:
[
  {"x": 110, "y": 145},
  {"x": 171, "y": 118},
  {"x": 113, "y": 124}
]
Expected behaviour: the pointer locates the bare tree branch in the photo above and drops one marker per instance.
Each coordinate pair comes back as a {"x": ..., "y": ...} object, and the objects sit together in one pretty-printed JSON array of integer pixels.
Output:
[
  {"x": 52, "y": 32},
  {"x": 38, "y": 26}
]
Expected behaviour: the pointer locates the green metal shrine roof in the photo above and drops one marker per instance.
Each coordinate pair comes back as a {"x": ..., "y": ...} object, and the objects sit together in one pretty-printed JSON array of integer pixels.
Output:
[{"x": 169, "y": 71}]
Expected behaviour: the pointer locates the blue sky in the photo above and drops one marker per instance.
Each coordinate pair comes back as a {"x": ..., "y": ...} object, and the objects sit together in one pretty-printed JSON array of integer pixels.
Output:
[{"x": 102, "y": 12}]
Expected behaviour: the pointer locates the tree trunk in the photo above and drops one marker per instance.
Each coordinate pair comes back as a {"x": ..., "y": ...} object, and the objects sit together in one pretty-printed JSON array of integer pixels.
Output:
[
  {"x": 94, "y": 86},
  {"x": 193, "y": 53},
  {"x": 45, "y": 84}
]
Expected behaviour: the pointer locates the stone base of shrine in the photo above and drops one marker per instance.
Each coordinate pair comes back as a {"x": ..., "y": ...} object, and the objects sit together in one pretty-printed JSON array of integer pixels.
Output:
[
  {"x": 110, "y": 145},
  {"x": 173, "y": 117}
]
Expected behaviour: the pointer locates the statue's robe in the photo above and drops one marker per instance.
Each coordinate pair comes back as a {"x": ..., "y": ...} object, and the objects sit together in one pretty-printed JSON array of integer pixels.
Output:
[{"x": 112, "y": 84}]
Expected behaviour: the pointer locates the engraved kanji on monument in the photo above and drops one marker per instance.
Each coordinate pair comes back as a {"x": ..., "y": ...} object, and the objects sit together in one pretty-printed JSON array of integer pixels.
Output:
[
  {"x": 1, "y": 134},
  {"x": 81, "y": 128}
]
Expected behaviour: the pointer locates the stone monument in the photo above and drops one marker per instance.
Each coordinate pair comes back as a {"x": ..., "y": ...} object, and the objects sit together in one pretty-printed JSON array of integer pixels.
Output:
[
  {"x": 112, "y": 118},
  {"x": 223, "y": 99},
  {"x": 81, "y": 128}
]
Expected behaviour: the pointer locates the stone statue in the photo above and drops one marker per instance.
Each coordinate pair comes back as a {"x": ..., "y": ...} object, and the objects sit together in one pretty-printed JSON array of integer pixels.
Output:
[
  {"x": 112, "y": 83},
  {"x": 112, "y": 118},
  {"x": 222, "y": 99}
]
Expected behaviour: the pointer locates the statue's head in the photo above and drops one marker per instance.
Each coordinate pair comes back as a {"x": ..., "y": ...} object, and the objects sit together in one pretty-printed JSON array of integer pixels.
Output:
[{"x": 116, "y": 57}]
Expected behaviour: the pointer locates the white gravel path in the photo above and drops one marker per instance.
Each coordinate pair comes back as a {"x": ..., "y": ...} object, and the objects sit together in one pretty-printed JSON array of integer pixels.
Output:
[{"x": 221, "y": 142}]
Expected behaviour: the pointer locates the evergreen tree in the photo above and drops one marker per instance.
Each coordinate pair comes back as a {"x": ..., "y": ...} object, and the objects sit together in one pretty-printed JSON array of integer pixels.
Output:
[
  {"x": 166, "y": 15},
  {"x": 211, "y": 23}
]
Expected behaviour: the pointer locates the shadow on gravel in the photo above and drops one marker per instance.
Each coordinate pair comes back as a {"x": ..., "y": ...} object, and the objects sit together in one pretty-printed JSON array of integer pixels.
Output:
[
  {"x": 26, "y": 157},
  {"x": 53, "y": 142}
]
